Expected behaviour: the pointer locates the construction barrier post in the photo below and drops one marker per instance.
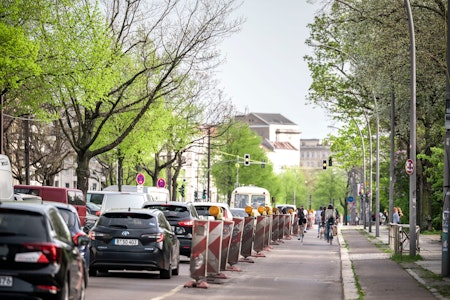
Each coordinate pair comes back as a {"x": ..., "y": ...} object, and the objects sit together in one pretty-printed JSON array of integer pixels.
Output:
[
  {"x": 295, "y": 225},
  {"x": 275, "y": 219},
  {"x": 267, "y": 232},
  {"x": 281, "y": 228},
  {"x": 258, "y": 245},
  {"x": 226, "y": 241},
  {"x": 199, "y": 254},
  {"x": 247, "y": 239},
  {"x": 214, "y": 249},
  {"x": 235, "y": 244},
  {"x": 287, "y": 225}
]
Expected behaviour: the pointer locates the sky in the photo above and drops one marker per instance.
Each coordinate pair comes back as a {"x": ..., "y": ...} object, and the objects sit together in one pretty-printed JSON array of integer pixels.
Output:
[{"x": 264, "y": 70}]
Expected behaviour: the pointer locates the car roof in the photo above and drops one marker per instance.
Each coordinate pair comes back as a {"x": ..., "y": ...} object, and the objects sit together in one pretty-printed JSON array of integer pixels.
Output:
[
  {"x": 28, "y": 206},
  {"x": 133, "y": 210},
  {"x": 61, "y": 205},
  {"x": 223, "y": 204},
  {"x": 168, "y": 203}
]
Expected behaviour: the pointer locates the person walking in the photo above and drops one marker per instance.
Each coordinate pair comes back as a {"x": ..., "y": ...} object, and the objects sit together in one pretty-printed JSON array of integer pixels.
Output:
[
  {"x": 396, "y": 216},
  {"x": 301, "y": 222}
]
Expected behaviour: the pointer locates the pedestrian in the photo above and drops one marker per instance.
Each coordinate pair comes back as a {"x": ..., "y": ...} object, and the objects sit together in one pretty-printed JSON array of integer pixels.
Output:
[
  {"x": 396, "y": 216},
  {"x": 319, "y": 220}
]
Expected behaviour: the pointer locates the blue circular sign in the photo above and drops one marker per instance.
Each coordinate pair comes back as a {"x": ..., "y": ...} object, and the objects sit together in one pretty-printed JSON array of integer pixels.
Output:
[{"x": 350, "y": 199}]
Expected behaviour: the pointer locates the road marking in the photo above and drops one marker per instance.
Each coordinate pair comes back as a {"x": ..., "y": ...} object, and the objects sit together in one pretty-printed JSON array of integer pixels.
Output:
[{"x": 170, "y": 293}]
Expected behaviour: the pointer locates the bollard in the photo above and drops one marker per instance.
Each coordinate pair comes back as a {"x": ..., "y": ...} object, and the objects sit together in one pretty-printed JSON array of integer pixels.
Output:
[
  {"x": 199, "y": 254},
  {"x": 259, "y": 236},
  {"x": 226, "y": 241},
  {"x": 214, "y": 249},
  {"x": 235, "y": 244},
  {"x": 247, "y": 239}
]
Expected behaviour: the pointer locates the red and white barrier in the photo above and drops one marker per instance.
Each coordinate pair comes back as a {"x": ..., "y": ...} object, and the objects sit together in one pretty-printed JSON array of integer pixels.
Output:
[
  {"x": 267, "y": 231},
  {"x": 247, "y": 239},
  {"x": 275, "y": 221},
  {"x": 258, "y": 245},
  {"x": 199, "y": 254},
  {"x": 235, "y": 245},
  {"x": 214, "y": 248},
  {"x": 226, "y": 241}
]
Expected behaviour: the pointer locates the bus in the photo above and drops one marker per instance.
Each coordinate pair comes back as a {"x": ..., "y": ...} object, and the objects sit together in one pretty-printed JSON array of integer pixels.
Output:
[
  {"x": 6, "y": 179},
  {"x": 250, "y": 196}
]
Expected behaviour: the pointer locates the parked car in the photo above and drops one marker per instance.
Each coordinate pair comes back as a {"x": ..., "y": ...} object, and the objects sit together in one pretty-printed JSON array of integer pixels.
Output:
[
  {"x": 110, "y": 200},
  {"x": 181, "y": 216},
  {"x": 156, "y": 193},
  {"x": 286, "y": 207},
  {"x": 134, "y": 239},
  {"x": 239, "y": 212},
  {"x": 72, "y": 220},
  {"x": 92, "y": 208},
  {"x": 71, "y": 196},
  {"x": 39, "y": 259},
  {"x": 203, "y": 210}
]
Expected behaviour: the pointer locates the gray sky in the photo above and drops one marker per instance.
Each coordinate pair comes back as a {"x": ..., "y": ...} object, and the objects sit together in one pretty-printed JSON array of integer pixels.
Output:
[{"x": 264, "y": 70}]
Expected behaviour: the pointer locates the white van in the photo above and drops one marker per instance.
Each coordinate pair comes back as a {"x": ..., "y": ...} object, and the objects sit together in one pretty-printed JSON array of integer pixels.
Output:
[
  {"x": 6, "y": 179},
  {"x": 156, "y": 193}
]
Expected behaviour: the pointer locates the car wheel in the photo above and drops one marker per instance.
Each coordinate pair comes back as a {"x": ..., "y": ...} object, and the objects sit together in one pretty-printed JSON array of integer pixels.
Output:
[
  {"x": 82, "y": 290},
  {"x": 166, "y": 274},
  {"x": 92, "y": 271},
  {"x": 176, "y": 271},
  {"x": 64, "y": 293}
]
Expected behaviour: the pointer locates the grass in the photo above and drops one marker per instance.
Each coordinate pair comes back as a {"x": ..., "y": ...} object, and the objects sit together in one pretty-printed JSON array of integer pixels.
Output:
[
  {"x": 358, "y": 285},
  {"x": 401, "y": 258}
]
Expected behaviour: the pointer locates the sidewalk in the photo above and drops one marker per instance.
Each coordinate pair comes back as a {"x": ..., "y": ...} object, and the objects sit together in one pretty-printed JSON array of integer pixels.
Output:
[{"x": 381, "y": 278}]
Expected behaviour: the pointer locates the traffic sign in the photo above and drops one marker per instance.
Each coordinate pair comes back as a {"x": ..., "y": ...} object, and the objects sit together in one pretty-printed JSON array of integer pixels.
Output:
[
  {"x": 161, "y": 183},
  {"x": 409, "y": 166},
  {"x": 140, "y": 179},
  {"x": 350, "y": 199}
]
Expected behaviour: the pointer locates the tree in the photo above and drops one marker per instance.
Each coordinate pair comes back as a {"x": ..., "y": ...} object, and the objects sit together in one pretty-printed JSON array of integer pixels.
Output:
[
  {"x": 227, "y": 167},
  {"x": 143, "y": 54}
]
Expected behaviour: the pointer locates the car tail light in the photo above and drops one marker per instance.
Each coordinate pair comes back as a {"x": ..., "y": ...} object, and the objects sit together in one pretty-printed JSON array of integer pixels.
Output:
[
  {"x": 186, "y": 223},
  {"x": 40, "y": 253},
  {"x": 95, "y": 234},
  {"x": 48, "y": 288},
  {"x": 159, "y": 237}
]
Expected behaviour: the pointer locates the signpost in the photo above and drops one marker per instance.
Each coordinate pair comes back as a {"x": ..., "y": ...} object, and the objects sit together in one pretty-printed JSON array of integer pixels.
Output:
[{"x": 409, "y": 166}]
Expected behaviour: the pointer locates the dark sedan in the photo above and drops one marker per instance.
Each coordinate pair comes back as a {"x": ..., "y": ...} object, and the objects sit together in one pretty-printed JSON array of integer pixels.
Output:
[
  {"x": 181, "y": 216},
  {"x": 134, "y": 239},
  {"x": 39, "y": 259}
]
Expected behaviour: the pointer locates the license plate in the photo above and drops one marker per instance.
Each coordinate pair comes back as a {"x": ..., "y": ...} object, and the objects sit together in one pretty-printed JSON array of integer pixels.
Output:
[
  {"x": 126, "y": 242},
  {"x": 6, "y": 281}
]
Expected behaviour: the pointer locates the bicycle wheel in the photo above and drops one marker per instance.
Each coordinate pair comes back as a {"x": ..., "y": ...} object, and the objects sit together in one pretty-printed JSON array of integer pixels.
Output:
[{"x": 330, "y": 236}]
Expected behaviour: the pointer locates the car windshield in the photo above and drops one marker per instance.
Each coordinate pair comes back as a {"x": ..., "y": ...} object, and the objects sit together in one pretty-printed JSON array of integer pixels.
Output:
[
  {"x": 171, "y": 211},
  {"x": 95, "y": 198},
  {"x": 71, "y": 219},
  {"x": 203, "y": 210},
  {"x": 16, "y": 223},
  {"x": 127, "y": 220}
]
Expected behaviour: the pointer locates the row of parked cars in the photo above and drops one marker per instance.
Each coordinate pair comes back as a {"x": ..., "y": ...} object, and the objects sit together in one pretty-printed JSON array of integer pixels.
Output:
[{"x": 46, "y": 251}]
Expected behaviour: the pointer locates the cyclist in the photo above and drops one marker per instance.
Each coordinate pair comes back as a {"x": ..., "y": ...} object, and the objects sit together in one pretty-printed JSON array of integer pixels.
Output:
[
  {"x": 330, "y": 219},
  {"x": 301, "y": 222}
]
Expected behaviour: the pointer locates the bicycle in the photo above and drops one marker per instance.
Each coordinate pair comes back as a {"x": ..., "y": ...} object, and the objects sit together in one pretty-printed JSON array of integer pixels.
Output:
[
  {"x": 329, "y": 231},
  {"x": 301, "y": 235}
]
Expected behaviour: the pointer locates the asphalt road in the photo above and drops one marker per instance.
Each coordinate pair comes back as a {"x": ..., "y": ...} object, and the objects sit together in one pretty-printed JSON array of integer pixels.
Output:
[{"x": 290, "y": 270}]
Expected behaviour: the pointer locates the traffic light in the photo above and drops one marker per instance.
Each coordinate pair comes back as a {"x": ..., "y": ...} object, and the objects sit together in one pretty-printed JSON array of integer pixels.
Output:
[
  {"x": 195, "y": 195},
  {"x": 324, "y": 164},
  {"x": 263, "y": 163},
  {"x": 204, "y": 194},
  {"x": 246, "y": 159},
  {"x": 330, "y": 161}
]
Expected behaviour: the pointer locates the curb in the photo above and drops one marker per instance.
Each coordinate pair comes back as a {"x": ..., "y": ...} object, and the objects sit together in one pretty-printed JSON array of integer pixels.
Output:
[{"x": 348, "y": 278}]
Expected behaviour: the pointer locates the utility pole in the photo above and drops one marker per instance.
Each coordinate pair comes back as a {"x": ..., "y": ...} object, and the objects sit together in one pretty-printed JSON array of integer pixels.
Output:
[
  {"x": 446, "y": 207},
  {"x": 412, "y": 138}
]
